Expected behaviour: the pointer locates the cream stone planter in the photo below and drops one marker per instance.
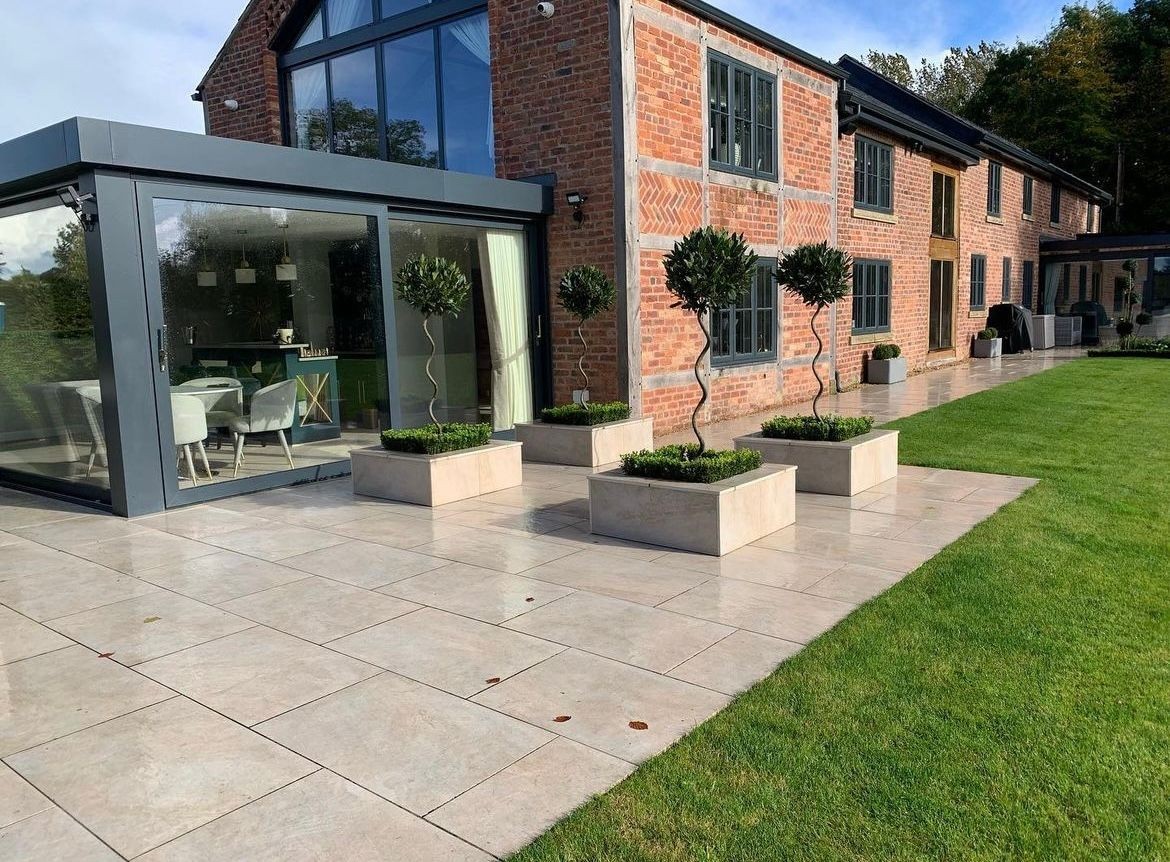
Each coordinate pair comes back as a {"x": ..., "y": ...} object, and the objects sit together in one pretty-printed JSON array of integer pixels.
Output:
[
  {"x": 842, "y": 469},
  {"x": 584, "y": 445},
  {"x": 434, "y": 480},
  {"x": 987, "y": 348},
  {"x": 709, "y": 519}
]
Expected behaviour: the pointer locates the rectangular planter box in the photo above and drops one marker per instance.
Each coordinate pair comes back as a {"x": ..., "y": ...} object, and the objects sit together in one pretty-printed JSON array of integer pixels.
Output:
[
  {"x": 433, "y": 480},
  {"x": 987, "y": 348},
  {"x": 886, "y": 370},
  {"x": 1043, "y": 331},
  {"x": 584, "y": 445},
  {"x": 708, "y": 519},
  {"x": 842, "y": 469}
]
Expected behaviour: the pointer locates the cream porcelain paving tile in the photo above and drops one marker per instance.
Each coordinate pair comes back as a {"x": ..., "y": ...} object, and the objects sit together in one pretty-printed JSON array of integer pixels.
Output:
[
  {"x": 320, "y": 512},
  {"x": 256, "y": 674},
  {"x": 199, "y": 522},
  {"x": 618, "y": 576},
  {"x": 601, "y": 698},
  {"x": 474, "y": 592},
  {"x": 919, "y": 508},
  {"x": 527, "y": 497},
  {"x": 322, "y": 817},
  {"x": 7, "y": 539},
  {"x": 750, "y": 563},
  {"x": 81, "y": 530},
  {"x": 133, "y": 554},
  {"x": 904, "y": 487},
  {"x": 523, "y": 524},
  {"x": 994, "y": 496},
  {"x": 221, "y": 576},
  {"x": 737, "y": 662},
  {"x": 632, "y": 633},
  {"x": 318, "y": 609},
  {"x": 147, "y": 627},
  {"x": 516, "y": 805},
  {"x": 980, "y": 480},
  {"x": 579, "y": 538},
  {"x": 363, "y": 564},
  {"x": 893, "y": 554},
  {"x": 150, "y": 776},
  {"x": 24, "y": 557},
  {"x": 31, "y": 512},
  {"x": 857, "y": 501},
  {"x": 18, "y": 800},
  {"x": 52, "y": 836},
  {"x": 54, "y": 694},
  {"x": 398, "y": 530},
  {"x": 75, "y": 586},
  {"x": 854, "y": 583},
  {"x": 855, "y": 521},
  {"x": 360, "y": 733},
  {"x": 20, "y": 637},
  {"x": 936, "y": 534},
  {"x": 504, "y": 553},
  {"x": 275, "y": 541},
  {"x": 446, "y": 651},
  {"x": 783, "y": 614}
]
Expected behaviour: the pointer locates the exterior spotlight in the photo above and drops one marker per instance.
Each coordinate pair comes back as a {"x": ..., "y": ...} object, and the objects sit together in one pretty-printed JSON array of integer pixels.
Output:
[
  {"x": 577, "y": 200},
  {"x": 83, "y": 206},
  {"x": 546, "y": 10},
  {"x": 231, "y": 104}
]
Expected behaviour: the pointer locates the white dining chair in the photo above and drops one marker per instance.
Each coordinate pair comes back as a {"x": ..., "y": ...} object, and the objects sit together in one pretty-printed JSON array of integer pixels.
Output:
[
  {"x": 190, "y": 426},
  {"x": 273, "y": 408},
  {"x": 91, "y": 409},
  {"x": 222, "y": 397}
]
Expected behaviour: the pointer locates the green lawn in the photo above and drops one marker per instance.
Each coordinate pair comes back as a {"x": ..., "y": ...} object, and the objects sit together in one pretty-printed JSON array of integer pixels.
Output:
[{"x": 1008, "y": 700}]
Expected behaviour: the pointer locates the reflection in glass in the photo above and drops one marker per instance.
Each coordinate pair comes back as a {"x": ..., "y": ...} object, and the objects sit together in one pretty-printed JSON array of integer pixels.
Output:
[
  {"x": 347, "y": 14},
  {"x": 390, "y": 8},
  {"x": 297, "y": 361},
  {"x": 308, "y": 108},
  {"x": 412, "y": 105},
  {"x": 355, "y": 104},
  {"x": 50, "y": 401},
  {"x": 313, "y": 31},
  {"x": 467, "y": 96},
  {"x": 483, "y": 362}
]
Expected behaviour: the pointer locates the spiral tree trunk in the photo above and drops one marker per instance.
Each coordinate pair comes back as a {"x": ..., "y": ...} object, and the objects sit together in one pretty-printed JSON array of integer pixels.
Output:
[
  {"x": 702, "y": 383},
  {"x": 430, "y": 377},
  {"x": 581, "y": 368},
  {"x": 816, "y": 360}
]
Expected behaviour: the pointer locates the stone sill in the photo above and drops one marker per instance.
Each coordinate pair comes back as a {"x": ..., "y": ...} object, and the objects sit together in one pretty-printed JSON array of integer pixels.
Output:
[
  {"x": 1027, "y": 217},
  {"x": 993, "y": 219},
  {"x": 868, "y": 338},
  {"x": 976, "y": 313},
  {"x": 872, "y": 215}
]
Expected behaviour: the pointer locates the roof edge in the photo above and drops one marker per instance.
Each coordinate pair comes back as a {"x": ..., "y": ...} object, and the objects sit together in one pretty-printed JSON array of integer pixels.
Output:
[{"x": 222, "y": 48}]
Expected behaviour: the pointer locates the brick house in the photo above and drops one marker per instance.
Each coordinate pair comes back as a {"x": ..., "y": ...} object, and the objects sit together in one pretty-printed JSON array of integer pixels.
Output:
[{"x": 667, "y": 115}]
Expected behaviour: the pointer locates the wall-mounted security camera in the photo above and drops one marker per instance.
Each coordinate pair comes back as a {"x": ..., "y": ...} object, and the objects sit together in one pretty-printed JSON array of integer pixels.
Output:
[
  {"x": 231, "y": 104},
  {"x": 546, "y": 9}
]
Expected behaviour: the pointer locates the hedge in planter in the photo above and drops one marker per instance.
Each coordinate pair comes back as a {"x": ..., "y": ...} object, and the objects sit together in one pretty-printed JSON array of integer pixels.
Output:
[
  {"x": 686, "y": 463},
  {"x": 433, "y": 441},
  {"x": 832, "y": 428},
  {"x": 593, "y": 414},
  {"x": 988, "y": 334},
  {"x": 885, "y": 352}
]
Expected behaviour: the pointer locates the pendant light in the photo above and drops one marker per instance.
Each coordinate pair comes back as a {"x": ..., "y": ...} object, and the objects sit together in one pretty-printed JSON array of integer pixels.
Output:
[
  {"x": 286, "y": 270},
  {"x": 206, "y": 277},
  {"x": 245, "y": 274}
]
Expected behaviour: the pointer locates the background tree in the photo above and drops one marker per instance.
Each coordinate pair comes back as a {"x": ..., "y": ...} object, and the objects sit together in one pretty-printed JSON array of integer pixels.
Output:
[
  {"x": 950, "y": 83},
  {"x": 434, "y": 287},
  {"x": 585, "y": 292},
  {"x": 819, "y": 276},
  {"x": 708, "y": 268}
]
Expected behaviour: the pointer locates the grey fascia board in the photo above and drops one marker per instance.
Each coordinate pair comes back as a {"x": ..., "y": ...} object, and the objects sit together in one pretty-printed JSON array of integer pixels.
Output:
[
  {"x": 161, "y": 152},
  {"x": 877, "y": 116}
]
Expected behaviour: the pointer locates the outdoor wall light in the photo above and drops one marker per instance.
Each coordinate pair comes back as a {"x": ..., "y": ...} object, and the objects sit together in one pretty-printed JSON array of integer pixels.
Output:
[
  {"x": 84, "y": 206},
  {"x": 577, "y": 200},
  {"x": 231, "y": 104}
]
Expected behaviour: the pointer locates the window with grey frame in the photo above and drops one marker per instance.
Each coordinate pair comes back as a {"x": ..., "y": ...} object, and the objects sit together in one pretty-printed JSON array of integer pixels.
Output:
[
  {"x": 978, "y": 281},
  {"x": 741, "y": 118},
  {"x": 873, "y": 175},
  {"x": 1005, "y": 294},
  {"x": 871, "y": 296},
  {"x": 418, "y": 95},
  {"x": 746, "y": 332},
  {"x": 1054, "y": 205},
  {"x": 994, "y": 188},
  {"x": 1029, "y": 194}
]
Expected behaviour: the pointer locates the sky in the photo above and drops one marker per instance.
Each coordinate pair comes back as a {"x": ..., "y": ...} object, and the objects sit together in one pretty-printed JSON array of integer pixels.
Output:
[{"x": 138, "y": 61}]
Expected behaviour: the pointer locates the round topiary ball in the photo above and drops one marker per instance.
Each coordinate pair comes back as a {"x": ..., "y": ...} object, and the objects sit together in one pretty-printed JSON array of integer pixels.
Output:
[{"x": 586, "y": 291}]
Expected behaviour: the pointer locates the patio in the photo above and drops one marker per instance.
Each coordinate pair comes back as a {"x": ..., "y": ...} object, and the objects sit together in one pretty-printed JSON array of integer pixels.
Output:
[{"x": 302, "y": 673}]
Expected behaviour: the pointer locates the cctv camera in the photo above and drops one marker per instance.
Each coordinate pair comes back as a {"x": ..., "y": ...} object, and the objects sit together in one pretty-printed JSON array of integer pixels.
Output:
[
  {"x": 546, "y": 9},
  {"x": 231, "y": 104}
]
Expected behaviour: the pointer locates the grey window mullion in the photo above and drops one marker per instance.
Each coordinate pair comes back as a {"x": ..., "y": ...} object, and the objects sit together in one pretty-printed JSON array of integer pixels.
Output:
[{"x": 439, "y": 87}]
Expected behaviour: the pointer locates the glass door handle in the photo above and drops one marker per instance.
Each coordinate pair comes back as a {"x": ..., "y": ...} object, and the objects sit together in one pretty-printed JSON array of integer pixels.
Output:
[
  {"x": 162, "y": 348},
  {"x": 539, "y": 327}
]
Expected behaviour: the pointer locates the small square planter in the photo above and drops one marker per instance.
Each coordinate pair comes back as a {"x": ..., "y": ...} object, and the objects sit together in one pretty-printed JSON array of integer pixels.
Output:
[
  {"x": 710, "y": 519},
  {"x": 886, "y": 370},
  {"x": 841, "y": 469},
  {"x": 987, "y": 348},
  {"x": 584, "y": 445},
  {"x": 434, "y": 480}
]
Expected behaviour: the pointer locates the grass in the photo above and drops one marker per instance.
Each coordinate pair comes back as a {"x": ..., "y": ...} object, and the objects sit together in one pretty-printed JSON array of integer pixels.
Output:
[{"x": 1008, "y": 700}]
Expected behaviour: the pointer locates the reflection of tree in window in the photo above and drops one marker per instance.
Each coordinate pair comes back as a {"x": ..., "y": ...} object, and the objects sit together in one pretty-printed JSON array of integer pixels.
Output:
[
  {"x": 406, "y": 143},
  {"x": 355, "y": 130}
]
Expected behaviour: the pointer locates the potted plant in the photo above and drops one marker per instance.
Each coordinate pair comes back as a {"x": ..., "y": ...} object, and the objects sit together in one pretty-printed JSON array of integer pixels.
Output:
[
  {"x": 987, "y": 344},
  {"x": 835, "y": 454},
  {"x": 885, "y": 364},
  {"x": 438, "y": 463},
  {"x": 688, "y": 496},
  {"x": 1144, "y": 318},
  {"x": 584, "y": 434}
]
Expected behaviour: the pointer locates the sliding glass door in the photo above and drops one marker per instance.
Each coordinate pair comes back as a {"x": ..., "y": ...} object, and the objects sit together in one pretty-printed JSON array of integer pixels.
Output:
[{"x": 942, "y": 304}]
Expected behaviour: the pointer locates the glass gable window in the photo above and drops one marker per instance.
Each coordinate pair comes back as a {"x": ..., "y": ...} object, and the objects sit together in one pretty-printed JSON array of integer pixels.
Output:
[
  {"x": 1029, "y": 191},
  {"x": 746, "y": 332},
  {"x": 978, "y": 281},
  {"x": 343, "y": 15},
  {"x": 942, "y": 206},
  {"x": 435, "y": 107},
  {"x": 873, "y": 175},
  {"x": 994, "y": 187},
  {"x": 871, "y": 296},
  {"x": 741, "y": 116}
]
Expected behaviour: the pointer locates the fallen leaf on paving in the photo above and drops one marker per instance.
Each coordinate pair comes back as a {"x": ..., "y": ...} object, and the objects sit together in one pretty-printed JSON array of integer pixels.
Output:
[
  {"x": 152, "y": 619},
  {"x": 104, "y": 654},
  {"x": 492, "y": 680},
  {"x": 639, "y": 725},
  {"x": 530, "y": 599},
  {"x": 562, "y": 718}
]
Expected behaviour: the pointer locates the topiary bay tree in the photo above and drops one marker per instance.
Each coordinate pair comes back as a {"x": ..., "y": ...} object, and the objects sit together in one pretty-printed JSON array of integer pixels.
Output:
[
  {"x": 585, "y": 292},
  {"x": 434, "y": 287},
  {"x": 819, "y": 276},
  {"x": 708, "y": 268}
]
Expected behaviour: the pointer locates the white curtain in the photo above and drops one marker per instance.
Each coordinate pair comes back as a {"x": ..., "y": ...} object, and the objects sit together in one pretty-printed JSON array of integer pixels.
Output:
[
  {"x": 347, "y": 14},
  {"x": 505, "y": 288},
  {"x": 472, "y": 34}
]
